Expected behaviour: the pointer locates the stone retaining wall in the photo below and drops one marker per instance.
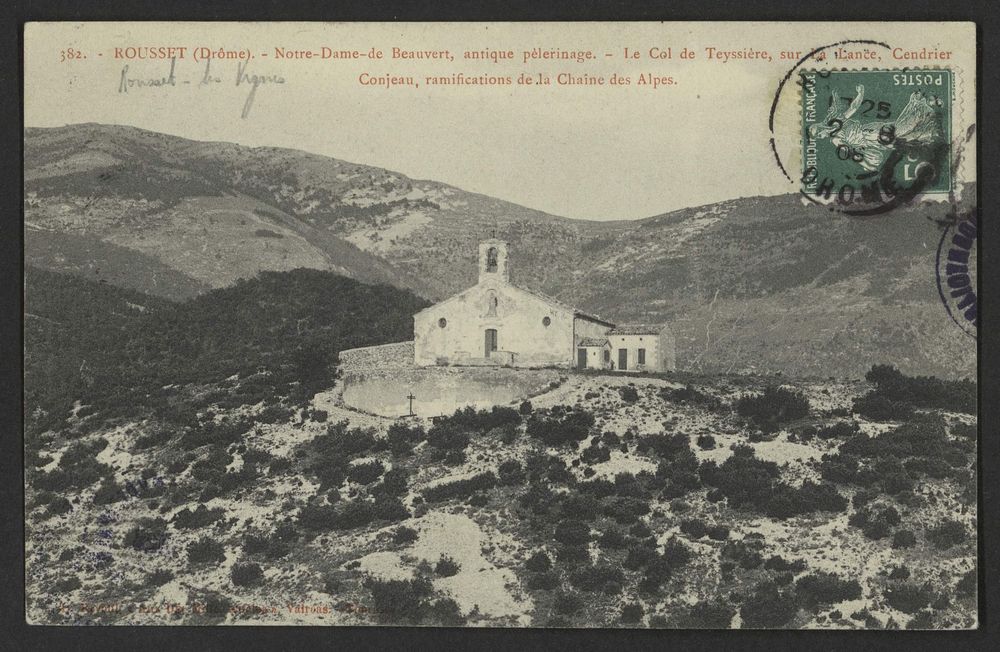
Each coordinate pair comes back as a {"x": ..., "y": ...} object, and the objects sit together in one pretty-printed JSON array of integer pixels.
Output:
[{"x": 398, "y": 355}]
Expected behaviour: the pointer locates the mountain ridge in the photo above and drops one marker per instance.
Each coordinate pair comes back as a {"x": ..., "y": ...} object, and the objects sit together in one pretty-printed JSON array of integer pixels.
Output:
[{"x": 740, "y": 280}]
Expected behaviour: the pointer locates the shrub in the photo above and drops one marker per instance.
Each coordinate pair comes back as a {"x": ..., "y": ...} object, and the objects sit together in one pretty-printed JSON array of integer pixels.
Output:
[
  {"x": 394, "y": 483},
  {"x": 539, "y": 562},
  {"x": 147, "y": 535},
  {"x": 923, "y": 391},
  {"x": 401, "y": 438},
  {"x": 58, "y": 505},
  {"x": 706, "y": 442},
  {"x": 205, "y": 550},
  {"x": 525, "y": 408},
  {"x": 693, "y": 528},
  {"x": 404, "y": 534},
  {"x": 707, "y": 615},
  {"x": 510, "y": 472},
  {"x": 691, "y": 395},
  {"x": 778, "y": 563},
  {"x": 595, "y": 454},
  {"x": 248, "y": 574},
  {"x": 108, "y": 492},
  {"x": 718, "y": 532},
  {"x": 774, "y": 405},
  {"x": 400, "y": 601},
  {"x": 200, "y": 517},
  {"x": 632, "y": 613},
  {"x": 593, "y": 578},
  {"x": 908, "y": 597},
  {"x": 159, "y": 577},
  {"x": 460, "y": 488},
  {"x": 825, "y": 588},
  {"x": 446, "y": 612},
  {"x": 564, "y": 426},
  {"x": 875, "y": 521},
  {"x": 839, "y": 430},
  {"x": 446, "y": 566},
  {"x": 612, "y": 538},
  {"x": 366, "y": 472},
  {"x": 67, "y": 584},
  {"x": 899, "y": 573},
  {"x": 876, "y": 407},
  {"x": 904, "y": 539},
  {"x": 544, "y": 581},
  {"x": 967, "y": 585},
  {"x": 629, "y": 394},
  {"x": 572, "y": 532},
  {"x": 947, "y": 533},
  {"x": 768, "y": 607},
  {"x": 571, "y": 555},
  {"x": 567, "y": 603}
]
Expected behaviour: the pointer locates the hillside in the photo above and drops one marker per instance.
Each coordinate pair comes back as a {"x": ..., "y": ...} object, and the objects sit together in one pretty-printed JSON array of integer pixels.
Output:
[
  {"x": 687, "y": 501},
  {"x": 125, "y": 354},
  {"x": 756, "y": 284}
]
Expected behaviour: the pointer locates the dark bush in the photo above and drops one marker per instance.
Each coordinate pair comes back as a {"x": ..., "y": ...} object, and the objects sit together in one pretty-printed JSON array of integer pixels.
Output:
[
  {"x": 780, "y": 564},
  {"x": 147, "y": 535},
  {"x": 706, "y": 442},
  {"x": 510, "y": 472},
  {"x": 923, "y": 391},
  {"x": 400, "y": 601},
  {"x": 718, "y": 532},
  {"x": 908, "y": 597},
  {"x": 967, "y": 585},
  {"x": 612, "y": 539},
  {"x": 563, "y": 426},
  {"x": 544, "y": 581},
  {"x": 67, "y": 584},
  {"x": 108, "y": 492},
  {"x": 875, "y": 521},
  {"x": 248, "y": 574},
  {"x": 877, "y": 407},
  {"x": 825, "y": 588},
  {"x": 401, "y": 438},
  {"x": 692, "y": 396},
  {"x": 768, "y": 607},
  {"x": 904, "y": 539},
  {"x": 404, "y": 534},
  {"x": 202, "y": 516},
  {"x": 947, "y": 533},
  {"x": 632, "y": 613},
  {"x": 446, "y": 566},
  {"x": 538, "y": 563},
  {"x": 394, "y": 483},
  {"x": 572, "y": 555},
  {"x": 706, "y": 615},
  {"x": 446, "y": 613},
  {"x": 366, "y": 472},
  {"x": 525, "y": 408},
  {"x": 594, "y": 578},
  {"x": 159, "y": 577},
  {"x": 839, "y": 430},
  {"x": 567, "y": 603},
  {"x": 460, "y": 488},
  {"x": 595, "y": 454},
  {"x": 58, "y": 505},
  {"x": 629, "y": 394},
  {"x": 899, "y": 573},
  {"x": 693, "y": 528},
  {"x": 774, "y": 405},
  {"x": 205, "y": 550},
  {"x": 572, "y": 532}
]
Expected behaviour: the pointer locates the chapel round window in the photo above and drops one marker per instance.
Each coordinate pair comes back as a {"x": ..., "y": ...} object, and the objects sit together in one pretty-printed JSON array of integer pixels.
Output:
[
  {"x": 546, "y": 321},
  {"x": 442, "y": 322}
]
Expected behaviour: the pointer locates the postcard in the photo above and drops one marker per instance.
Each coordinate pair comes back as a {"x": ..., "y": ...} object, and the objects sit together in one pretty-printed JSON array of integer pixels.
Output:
[{"x": 528, "y": 325}]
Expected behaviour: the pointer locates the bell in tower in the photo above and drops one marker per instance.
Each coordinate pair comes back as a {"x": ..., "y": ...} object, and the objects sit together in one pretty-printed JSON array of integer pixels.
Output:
[{"x": 493, "y": 266}]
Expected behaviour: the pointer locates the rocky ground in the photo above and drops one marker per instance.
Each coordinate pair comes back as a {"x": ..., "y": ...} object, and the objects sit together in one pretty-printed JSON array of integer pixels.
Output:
[{"x": 475, "y": 557}]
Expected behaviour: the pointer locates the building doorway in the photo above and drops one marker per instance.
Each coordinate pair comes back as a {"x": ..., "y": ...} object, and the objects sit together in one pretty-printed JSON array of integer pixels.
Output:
[
  {"x": 581, "y": 358},
  {"x": 622, "y": 359},
  {"x": 491, "y": 341}
]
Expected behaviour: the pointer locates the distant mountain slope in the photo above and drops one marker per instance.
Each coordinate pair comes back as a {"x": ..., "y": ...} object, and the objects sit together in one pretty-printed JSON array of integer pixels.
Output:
[{"x": 754, "y": 284}]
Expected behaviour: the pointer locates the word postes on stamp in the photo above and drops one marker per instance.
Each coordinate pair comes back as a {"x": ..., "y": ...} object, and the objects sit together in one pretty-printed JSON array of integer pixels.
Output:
[{"x": 875, "y": 139}]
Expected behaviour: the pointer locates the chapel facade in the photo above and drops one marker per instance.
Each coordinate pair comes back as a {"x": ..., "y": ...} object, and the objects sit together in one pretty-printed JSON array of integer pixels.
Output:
[{"x": 496, "y": 322}]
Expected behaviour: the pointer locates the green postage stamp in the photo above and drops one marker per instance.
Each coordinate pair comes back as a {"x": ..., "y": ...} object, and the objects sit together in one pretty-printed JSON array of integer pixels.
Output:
[{"x": 873, "y": 139}]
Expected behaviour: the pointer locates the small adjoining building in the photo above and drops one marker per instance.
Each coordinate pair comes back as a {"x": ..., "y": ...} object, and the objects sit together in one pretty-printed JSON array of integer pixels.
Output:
[{"x": 498, "y": 323}]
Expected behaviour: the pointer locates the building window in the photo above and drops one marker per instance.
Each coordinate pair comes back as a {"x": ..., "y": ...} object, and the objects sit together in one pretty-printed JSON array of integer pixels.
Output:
[
  {"x": 546, "y": 321},
  {"x": 607, "y": 355},
  {"x": 442, "y": 322},
  {"x": 641, "y": 357},
  {"x": 491, "y": 259},
  {"x": 492, "y": 303}
]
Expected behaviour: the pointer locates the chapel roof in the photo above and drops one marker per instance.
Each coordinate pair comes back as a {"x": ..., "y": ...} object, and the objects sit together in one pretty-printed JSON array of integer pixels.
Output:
[
  {"x": 559, "y": 304},
  {"x": 637, "y": 329}
]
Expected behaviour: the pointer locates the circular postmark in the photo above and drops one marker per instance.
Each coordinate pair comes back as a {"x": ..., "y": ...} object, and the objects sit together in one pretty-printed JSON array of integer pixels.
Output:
[
  {"x": 869, "y": 139},
  {"x": 955, "y": 269}
]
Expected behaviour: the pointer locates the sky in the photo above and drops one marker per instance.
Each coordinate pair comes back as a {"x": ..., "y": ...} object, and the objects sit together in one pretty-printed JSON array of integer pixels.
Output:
[{"x": 576, "y": 150}]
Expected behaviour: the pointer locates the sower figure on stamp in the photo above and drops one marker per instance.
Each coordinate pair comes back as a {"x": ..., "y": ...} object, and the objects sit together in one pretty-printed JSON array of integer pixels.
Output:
[{"x": 869, "y": 143}]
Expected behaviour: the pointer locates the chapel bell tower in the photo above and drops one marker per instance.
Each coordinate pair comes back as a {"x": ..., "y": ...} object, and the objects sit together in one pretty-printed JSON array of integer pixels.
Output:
[{"x": 493, "y": 265}]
